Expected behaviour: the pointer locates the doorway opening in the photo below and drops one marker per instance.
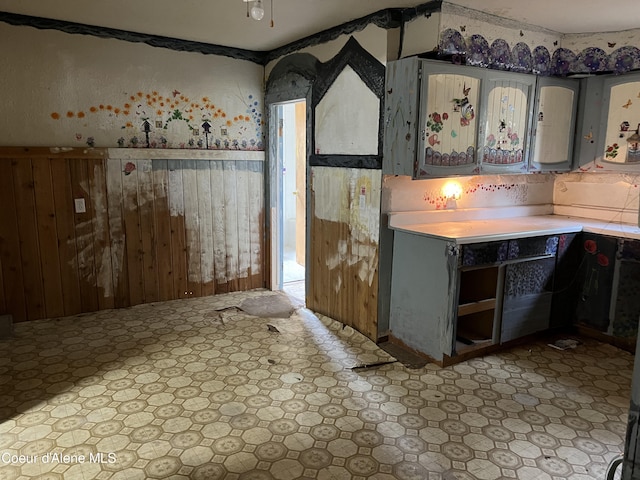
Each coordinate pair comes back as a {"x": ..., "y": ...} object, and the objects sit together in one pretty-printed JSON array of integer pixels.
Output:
[{"x": 289, "y": 246}]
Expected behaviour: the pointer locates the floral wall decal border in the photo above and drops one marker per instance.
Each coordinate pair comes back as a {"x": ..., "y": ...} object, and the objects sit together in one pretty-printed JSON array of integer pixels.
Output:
[
  {"x": 173, "y": 120},
  {"x": 515, "y": 191},
  {"x": 475, "y": 50}
]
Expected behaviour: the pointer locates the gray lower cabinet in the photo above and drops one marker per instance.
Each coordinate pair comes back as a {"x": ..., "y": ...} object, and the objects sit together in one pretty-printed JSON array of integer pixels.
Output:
[{"x": 449, "y": 299}]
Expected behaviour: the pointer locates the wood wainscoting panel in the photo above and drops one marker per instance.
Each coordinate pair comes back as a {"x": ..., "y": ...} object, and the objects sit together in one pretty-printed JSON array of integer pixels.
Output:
[
  {"x": 66, "y": 234},
  {"x": 163, "y": 252},
  {"x": 156, "y": 225},
  {"x": 48, "y": 239},
  {"x": 25, "y": 204},
  {"x": 10, "y": 245},
  {"x": 205, "y": 228},
  {"x": 344, "y": 246}
]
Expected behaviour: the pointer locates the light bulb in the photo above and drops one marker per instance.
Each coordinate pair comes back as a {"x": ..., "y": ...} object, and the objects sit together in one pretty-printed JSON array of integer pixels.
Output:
[{"x": 257, "y": 11}]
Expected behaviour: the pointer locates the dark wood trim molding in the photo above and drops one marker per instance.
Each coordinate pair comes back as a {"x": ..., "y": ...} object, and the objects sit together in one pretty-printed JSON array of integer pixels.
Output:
[
  {"x": 388, "y": 18},
  {"x": 128, "y": 36},
  {"x": 373, "y": 162}
]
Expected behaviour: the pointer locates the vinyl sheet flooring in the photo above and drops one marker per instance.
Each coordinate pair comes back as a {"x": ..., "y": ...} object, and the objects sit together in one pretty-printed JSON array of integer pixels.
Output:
[{"x": 200, "y": 389}]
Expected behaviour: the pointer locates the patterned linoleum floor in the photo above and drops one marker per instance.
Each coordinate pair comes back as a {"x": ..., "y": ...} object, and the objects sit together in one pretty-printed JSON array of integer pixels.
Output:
[{"x": 178, "y": 390}]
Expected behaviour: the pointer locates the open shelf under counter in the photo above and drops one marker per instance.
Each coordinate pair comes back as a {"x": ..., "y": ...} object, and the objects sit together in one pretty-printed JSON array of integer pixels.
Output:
[{"x": 475, "y": 307}]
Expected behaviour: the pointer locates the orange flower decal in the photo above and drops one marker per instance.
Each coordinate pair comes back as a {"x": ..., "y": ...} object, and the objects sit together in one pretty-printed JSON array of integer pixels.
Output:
[{"x": 55, "y": 115}]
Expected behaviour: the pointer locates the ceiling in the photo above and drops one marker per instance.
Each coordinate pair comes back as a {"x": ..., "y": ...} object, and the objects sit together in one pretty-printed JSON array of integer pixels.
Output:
[{"x": 225, "y": 22}]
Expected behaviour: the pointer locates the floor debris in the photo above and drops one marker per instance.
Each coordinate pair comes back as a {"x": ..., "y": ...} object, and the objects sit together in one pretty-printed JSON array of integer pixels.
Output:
[
  {"x": 368, "y": 366},
  {"x": 564, "y": 344}
]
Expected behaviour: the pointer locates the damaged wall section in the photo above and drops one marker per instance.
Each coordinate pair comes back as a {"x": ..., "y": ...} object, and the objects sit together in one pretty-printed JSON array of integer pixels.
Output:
[{"x": 157, "y": 225}]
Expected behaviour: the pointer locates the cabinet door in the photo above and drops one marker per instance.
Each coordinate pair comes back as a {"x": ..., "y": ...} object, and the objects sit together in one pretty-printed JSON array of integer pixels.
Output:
[
  {"x": 609, "y": 116},
  {"x": 626, "y": 309},
  {"x": 448, "y": 120},
  {"x": 402, "y": 88},
  {"x": 553, "y": 126},
  {"x": 588, "y": 122},
  {"x": 595, "y": 281},
  {"x": 619, "y": 144},
  {"x": 507, "y": 111},
  {"x": 526, "y": 306}
]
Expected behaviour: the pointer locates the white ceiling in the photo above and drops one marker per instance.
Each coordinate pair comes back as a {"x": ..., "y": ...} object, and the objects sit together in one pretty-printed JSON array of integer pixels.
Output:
[{"x": 224, "y": 22}]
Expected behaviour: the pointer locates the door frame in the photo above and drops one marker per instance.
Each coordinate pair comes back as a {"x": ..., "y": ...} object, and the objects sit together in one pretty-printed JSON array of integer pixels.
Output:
[
  {"x": 277, "y": 191},
  {"x": 296, "y": 90}
]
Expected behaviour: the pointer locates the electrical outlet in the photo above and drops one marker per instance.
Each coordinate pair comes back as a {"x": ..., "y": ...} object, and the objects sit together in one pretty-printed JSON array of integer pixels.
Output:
[
  {"x": 223, "y": 131},
  {"x": 80, "y": 205}
]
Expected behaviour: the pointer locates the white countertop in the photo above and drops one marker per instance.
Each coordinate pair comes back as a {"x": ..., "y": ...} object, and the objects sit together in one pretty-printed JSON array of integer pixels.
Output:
[{"x": 473, "y": 231}]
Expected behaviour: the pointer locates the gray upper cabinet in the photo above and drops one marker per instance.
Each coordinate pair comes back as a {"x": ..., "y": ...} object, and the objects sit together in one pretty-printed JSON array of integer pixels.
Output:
[
  {"x": 431, "y": 123},
  {"x": 443, "y": 119},
  {"x": 553, "y": 124},
  {"x": 608, "y": 138}
]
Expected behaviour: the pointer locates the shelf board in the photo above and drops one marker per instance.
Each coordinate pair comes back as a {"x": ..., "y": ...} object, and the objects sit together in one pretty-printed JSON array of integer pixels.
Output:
[{"x": 475, "y": 307}]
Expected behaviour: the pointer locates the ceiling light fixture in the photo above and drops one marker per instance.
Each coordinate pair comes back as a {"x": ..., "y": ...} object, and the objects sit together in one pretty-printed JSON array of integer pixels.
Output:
[{"x": 257, "y": 10}]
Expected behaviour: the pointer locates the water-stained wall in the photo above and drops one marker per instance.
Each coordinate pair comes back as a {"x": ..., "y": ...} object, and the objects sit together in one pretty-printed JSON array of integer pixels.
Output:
[
  {"x": 157, "y": 225},
  {"x": 344, "y": 160},
  {"x": 345, "y": 226}
]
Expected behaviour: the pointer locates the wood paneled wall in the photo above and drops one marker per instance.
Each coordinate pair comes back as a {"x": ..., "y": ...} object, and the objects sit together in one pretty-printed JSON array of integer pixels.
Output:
[
  {"x": 159, "y": 225},
  {"x": 344, "y": 236}
]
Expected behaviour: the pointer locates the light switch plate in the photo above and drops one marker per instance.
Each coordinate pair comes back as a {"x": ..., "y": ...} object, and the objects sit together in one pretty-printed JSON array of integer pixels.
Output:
[{"x": 80, "y": 205}]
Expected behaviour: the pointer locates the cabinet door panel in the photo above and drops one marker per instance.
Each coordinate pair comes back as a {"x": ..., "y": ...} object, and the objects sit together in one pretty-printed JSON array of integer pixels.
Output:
[
  {"x": 595, "y": 281},
  {"x": 610, "y": 114},
  {"x": 402, "y": 89},
  {"x": 623, "y": 120},
  {"x": 449, "y": 122},
  {"x": 627, "y": 307},
  {"x": 588, "y": 122},
  {"x": 506, "y": 122},
  {"x": 527, "y": 298},
  {"x": 554, "y": 124}
]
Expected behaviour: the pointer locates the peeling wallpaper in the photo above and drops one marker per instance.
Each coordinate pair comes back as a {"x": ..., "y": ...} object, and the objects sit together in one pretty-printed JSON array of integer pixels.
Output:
[
  {"x": 87, "y": 91},
  {"x": 611, "y": 191}
]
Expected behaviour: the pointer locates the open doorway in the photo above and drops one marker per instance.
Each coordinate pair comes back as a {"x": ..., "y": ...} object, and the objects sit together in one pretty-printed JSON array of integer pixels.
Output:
[{"x": 288, "y": 240}]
